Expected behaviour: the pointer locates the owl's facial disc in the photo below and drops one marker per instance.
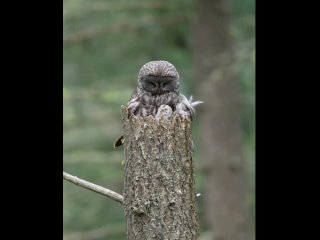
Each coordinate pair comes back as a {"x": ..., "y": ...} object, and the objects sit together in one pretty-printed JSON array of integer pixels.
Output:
[{"x": 158, "y": 85}]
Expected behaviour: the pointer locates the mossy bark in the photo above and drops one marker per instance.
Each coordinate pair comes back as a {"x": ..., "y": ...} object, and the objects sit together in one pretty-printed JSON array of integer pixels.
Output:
[{"x": 159, "y": 190}]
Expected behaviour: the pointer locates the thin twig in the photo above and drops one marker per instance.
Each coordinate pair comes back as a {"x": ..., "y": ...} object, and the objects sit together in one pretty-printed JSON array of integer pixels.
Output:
[{"x": 93, "y": 187}]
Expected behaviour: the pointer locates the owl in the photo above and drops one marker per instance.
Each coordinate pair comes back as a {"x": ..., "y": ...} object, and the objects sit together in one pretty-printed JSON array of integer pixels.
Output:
[
  {"x": 158, "y": 94},
  {"x": 159, "y": 84},
  {"x": 164, "y": 112}
]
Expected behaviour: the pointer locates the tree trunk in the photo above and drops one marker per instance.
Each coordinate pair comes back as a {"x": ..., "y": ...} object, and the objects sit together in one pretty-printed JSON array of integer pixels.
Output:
[
  {"x": 225, "y": 186},
  {"x": 159, "y": 190}
]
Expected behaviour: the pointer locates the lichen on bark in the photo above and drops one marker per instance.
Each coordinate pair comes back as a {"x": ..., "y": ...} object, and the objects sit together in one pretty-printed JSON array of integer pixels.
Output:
[{"x": 159, "y": 187}]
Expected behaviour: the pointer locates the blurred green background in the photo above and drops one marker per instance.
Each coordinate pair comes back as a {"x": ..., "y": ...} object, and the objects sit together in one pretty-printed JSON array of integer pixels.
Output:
[{"x": 105, "y": 44}]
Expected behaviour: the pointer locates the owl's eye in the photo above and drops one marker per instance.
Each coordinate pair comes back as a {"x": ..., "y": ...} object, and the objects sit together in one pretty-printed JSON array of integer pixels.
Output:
[
  {"x": 149, "y": 84},
  {"x": 166, "y": 84}
]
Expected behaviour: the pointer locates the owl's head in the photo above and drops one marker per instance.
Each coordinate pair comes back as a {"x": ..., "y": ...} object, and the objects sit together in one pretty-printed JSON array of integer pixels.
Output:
[{"x": 158, "y": 77}]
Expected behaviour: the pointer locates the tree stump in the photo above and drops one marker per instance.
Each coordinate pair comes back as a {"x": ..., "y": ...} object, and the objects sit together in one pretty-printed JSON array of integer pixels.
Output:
[{"x": 159, "y": 187}]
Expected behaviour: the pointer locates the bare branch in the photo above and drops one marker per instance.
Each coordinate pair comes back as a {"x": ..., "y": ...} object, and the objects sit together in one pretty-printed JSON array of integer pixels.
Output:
[{"x": 93, "y": 187}]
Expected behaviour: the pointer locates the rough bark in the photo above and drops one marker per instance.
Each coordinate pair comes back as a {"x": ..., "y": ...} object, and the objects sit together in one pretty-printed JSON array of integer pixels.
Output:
[
  {"x": 159, "y": 189},
  {"x": 225, "y": 186}
]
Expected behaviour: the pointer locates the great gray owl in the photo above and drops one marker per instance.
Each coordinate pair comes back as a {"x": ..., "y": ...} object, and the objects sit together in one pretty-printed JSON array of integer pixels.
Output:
[
  {"x": 158, "y": 94},
  {"x": 158, "y": 84}
]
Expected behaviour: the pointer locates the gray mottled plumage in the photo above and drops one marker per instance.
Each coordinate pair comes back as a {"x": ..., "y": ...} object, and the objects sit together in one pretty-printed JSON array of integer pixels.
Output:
[
  {"x": 164, "y": 112},
  {"x": 159, "y": 84}
]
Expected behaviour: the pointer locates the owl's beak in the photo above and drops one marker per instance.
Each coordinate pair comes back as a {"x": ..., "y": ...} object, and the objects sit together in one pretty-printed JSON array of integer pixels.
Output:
[{"x": 159, "y": 91}]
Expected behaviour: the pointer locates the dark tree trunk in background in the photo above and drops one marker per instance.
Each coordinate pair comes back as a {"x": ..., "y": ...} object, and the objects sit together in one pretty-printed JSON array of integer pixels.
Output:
[
  {"x": 159, "y": 190},
  {"x": 225, "y": 190}
]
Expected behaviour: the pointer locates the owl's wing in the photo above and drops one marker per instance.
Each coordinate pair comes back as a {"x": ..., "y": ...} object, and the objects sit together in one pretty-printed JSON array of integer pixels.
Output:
[
  {"x": 134, "y": 103},
  {"x": 134, "y": 95},
  {"x": 186, "y": 107}
]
